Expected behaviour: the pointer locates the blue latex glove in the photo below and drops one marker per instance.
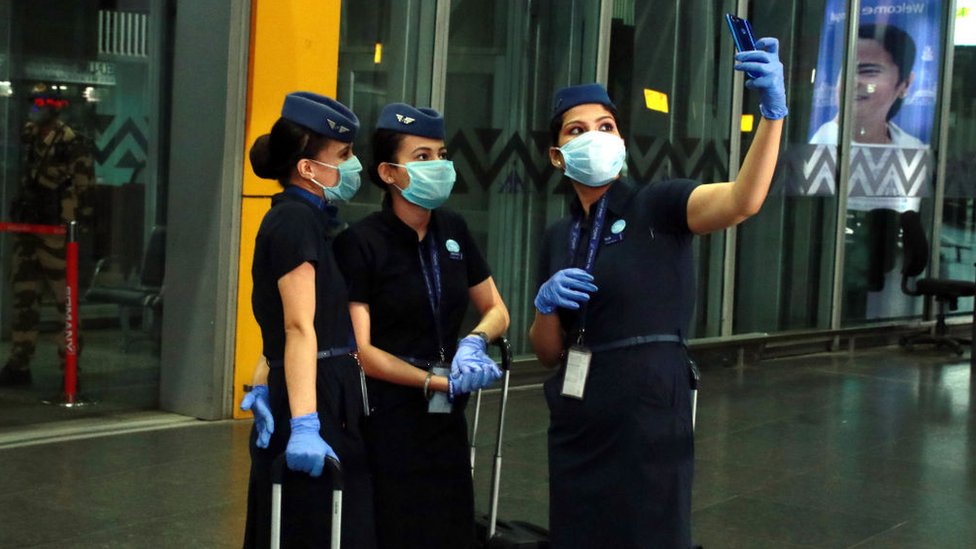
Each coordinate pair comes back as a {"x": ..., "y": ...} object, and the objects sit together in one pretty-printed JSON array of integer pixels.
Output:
[
  {"x": 306, "y": 451},
  {"x": 765, "y": 73},
  {"x": 469, "y": 353},
  {"x": 567, "y": 288},
  {"x": 256, "y": 401},
  {"x": 490, "y": 373}
]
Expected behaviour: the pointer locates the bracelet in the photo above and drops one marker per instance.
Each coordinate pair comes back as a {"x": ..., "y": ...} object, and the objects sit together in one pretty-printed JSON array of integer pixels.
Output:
[
  {"x": 427, "y": 385},
  {"x": 483, "y": 336}
]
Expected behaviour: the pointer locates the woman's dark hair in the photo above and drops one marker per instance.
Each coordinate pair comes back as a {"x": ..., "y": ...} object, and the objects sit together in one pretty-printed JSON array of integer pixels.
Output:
[
  {"x": 385, "y": 145},
  {"x": 273, "y": 155},
  {"x": 556, "y": 124},
  {"x": 900, "y": 45}
]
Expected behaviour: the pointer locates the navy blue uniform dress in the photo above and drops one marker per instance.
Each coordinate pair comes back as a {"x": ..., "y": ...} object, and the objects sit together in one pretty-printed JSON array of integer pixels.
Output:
[
  {"x": 294, "y": 232},
  {"x": 419, "y": 460},
  {"x": 620, "y": 460}
]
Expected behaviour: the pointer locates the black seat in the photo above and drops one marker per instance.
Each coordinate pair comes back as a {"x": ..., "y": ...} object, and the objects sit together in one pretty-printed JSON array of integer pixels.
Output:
[
  {"x": 145, "y": 295},
  {"x": 946, "y": 292}
]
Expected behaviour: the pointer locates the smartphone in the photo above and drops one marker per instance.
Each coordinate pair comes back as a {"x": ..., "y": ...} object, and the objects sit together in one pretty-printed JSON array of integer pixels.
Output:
[{"x": 741, "y": 33}]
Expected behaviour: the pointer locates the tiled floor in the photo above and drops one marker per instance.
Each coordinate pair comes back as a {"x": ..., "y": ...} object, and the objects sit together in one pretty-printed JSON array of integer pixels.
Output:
[{"x": 876, "y": 449}]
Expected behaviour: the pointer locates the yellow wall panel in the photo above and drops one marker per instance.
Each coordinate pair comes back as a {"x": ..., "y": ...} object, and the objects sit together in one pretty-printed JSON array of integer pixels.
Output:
[{"x": 294, "y": 46}]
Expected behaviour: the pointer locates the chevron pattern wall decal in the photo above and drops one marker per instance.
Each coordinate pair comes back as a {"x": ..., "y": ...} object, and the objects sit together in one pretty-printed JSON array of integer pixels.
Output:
[
  {"x": 811, "y": 170},
  {"x": 487, "y": 156}
]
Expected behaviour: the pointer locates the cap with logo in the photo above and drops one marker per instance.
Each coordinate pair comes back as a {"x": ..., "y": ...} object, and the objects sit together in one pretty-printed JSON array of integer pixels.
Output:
[
  {"x": 321, "y": 114},
  {"x": 403, "y": 118},
  {"x": 582, "y": 94}
]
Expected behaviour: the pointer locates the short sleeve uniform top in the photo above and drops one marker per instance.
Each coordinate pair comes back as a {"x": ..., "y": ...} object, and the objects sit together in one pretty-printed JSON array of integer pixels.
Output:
[
  {"x": 380, "y": 257},
  {"x": 644, "y": 267},
  {"x": 294, "y": 232}
]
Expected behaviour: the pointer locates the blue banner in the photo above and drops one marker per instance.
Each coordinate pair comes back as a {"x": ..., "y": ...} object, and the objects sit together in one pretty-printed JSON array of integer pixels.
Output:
[{"x": 897, "y": 75}]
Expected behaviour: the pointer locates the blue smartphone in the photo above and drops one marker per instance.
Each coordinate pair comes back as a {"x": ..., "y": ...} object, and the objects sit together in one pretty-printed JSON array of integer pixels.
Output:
[{"x": 741, "y": 33}]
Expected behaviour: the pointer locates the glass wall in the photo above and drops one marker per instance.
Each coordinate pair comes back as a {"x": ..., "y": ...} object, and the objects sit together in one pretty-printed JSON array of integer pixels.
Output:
[
  {"x": 81, "y": 110},
  {"x": 957, "y": 245},
  {"x": 669, "y": 70},
  {"x": 386, "y": 51},
  {"x": 671, "y": 76},
  {"x": 785, "y": 254},
  {"x": 893, "y": 136},
  {"x": 505, "y": 60}
]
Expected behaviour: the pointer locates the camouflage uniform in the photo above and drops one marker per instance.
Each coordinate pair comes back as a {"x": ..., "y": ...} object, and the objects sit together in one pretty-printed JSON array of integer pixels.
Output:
[{"x": 55, "y": 189}]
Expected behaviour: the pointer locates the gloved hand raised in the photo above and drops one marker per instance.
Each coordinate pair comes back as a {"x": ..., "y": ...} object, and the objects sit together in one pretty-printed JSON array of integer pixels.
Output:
[
  {"x": 257, "y": 402},
  {"x": 306, "y": 451},
  {"x": 764, "y": 72},
  {"x": 567, "y": 288}
]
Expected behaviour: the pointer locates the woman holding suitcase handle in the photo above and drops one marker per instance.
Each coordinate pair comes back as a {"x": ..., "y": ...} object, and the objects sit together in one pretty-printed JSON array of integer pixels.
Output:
[
  {"x": 412, "y": 269},
  {"x": 299, "y": 301},
  {"x": 612, "y": 313}
]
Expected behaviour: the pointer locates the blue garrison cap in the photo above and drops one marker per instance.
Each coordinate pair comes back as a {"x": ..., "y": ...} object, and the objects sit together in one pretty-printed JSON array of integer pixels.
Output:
[
  {"x": 321, "y": 114},
  {"x": 403, "y": 118},
  {"x": 569, "y": 97}
]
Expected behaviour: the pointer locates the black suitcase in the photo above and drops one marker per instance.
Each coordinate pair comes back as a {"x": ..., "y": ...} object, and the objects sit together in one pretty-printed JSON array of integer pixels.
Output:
[{"x": 491, "y": 533}]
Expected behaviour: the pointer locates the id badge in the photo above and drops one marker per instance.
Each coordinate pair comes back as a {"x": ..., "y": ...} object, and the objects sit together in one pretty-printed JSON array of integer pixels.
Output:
[
  {"x": 439, "y": 404},
  {"x": 577, "y": 368}
]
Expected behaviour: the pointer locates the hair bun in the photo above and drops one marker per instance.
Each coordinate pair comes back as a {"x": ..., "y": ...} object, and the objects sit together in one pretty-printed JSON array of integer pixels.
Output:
[{"x": 261, "y": 161}]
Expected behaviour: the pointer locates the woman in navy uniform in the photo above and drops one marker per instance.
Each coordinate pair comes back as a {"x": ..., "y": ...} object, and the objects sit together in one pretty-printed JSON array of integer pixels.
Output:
[
  {"x": 412, "y": 268},
  {"x": 612, "y": 313},
  {"x": 300, "y": 302}
]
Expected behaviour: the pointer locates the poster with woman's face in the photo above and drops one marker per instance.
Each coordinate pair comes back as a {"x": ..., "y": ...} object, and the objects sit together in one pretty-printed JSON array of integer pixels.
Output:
[
  {"x": 897, "y": 73},
  {"x": 895, "y": 94}
]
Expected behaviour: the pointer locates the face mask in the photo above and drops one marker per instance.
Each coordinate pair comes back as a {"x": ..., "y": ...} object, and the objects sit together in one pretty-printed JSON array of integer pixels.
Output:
[
  {"x": 348, "y": 180},
  {"x": 594, "y": 158},
  {"x": 431, "y": 182}
]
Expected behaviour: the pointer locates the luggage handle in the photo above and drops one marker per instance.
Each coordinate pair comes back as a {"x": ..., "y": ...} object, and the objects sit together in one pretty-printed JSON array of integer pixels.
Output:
[
  {"x": 278, "y": 474},
  {"x": 506, "y": 364},
  {"x": 506, "y": 352}
]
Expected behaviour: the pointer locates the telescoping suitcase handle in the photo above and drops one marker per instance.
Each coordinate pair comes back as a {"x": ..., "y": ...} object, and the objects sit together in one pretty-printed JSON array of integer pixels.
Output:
[
  {"x": 277, "y": 475},
  {"x": 506, "y": 365}
]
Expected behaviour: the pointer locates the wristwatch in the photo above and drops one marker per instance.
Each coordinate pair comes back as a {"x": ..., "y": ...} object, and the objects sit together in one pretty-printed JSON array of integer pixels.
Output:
[{"x": 482, "y": 335}]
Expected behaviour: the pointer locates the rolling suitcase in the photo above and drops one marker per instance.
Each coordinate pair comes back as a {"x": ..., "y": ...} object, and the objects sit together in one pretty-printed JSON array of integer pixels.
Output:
[
  {"x": 491, "y": 533},
  {"x": 277, "y": 474}
]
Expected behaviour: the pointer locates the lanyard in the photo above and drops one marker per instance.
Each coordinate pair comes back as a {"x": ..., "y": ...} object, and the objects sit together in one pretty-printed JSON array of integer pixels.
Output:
[
  {"x": 432, "y": 281},
  {"x": 596, "y": 234}
]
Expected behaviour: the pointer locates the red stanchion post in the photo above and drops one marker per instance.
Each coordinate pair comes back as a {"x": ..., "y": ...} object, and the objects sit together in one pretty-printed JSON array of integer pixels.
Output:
[{"x": 71, "y": 316}]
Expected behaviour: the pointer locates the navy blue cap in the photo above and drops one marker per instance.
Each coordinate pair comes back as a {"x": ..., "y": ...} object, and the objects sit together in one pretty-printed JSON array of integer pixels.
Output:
[
  {"x": 321, "y": 114},
  {"x": 403, "y": 118},
  {"x": 571, "y": 96}
]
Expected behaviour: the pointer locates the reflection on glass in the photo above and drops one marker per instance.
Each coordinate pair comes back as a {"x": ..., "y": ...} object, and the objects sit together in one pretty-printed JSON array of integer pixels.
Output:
[
  {"x": 892, "y": 165},
  {"x": 957, "y": 247},
  {"x": 785, "y": 254},
  {"x": 80, "y": 140}
]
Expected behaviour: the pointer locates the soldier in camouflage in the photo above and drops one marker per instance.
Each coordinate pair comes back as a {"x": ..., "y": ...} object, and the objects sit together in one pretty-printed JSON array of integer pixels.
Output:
[{"x": 56, "y": 185}]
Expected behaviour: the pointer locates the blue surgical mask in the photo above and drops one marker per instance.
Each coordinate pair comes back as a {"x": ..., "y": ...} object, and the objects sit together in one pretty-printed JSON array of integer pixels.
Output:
[
  {"x": 594, "y": 158},
  {"x": 349, "y": 180},
  {"x": 431, "y": 182}
]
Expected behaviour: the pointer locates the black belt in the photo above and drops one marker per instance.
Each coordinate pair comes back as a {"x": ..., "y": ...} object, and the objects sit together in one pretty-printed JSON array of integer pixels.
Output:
[
  {"x": 639, "y": 340},
  {"x": 328, "y": 353}
]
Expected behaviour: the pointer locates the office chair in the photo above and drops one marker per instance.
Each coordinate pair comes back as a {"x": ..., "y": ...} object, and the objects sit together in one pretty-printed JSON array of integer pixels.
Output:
[
  {"x": 946, "y": 292},
  {"x": 146, "y": 294}
]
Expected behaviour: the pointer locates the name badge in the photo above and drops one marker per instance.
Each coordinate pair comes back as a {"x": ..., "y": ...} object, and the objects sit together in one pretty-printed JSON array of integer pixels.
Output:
[
  {"x": 439, "y": 404},
  {"x": 577, "y": 368}
]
